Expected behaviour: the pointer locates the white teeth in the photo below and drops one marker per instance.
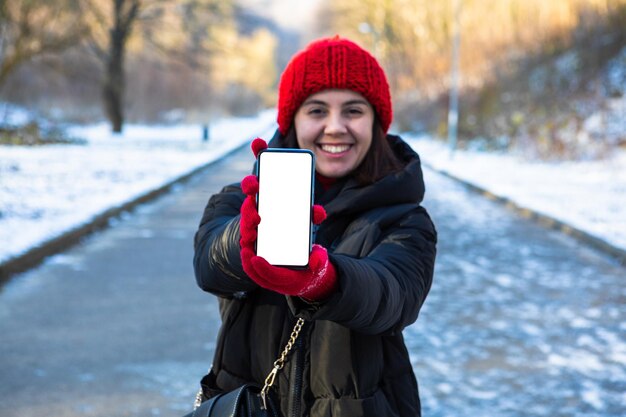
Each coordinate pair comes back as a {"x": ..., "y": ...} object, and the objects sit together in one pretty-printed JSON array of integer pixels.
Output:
[{"x": 335, "y": 148}]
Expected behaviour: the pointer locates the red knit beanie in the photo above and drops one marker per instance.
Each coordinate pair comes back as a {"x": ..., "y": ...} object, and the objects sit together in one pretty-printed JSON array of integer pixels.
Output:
[{"x": 332, "y": 63}]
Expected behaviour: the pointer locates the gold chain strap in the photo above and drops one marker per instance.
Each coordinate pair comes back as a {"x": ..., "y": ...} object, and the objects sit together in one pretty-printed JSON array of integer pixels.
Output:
[
  {"x": 280, "y": 362},
  {"x": 198, "y": 401},
  {"x": 278, "y": 365}
]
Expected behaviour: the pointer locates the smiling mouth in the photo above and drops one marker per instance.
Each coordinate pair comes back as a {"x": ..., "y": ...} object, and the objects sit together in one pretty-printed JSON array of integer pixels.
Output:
[{"x": 334, "y": 148}]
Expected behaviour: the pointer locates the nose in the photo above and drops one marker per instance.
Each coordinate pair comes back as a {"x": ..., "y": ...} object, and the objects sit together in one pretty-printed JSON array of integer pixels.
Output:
[{"x": 335, "y": 124}]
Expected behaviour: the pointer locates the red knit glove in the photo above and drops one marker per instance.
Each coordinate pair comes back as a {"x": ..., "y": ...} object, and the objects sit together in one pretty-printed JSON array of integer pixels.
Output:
[
  {"x": 249, "y": 215},
  {"x": 316, "y": 282}
]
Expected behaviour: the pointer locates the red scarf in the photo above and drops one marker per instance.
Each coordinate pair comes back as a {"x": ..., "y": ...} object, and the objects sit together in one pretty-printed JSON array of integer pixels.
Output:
[{"x": 325, "y": 181}]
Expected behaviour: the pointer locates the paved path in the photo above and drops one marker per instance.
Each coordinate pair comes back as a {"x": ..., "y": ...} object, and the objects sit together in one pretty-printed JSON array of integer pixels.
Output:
[
  {"x": 115, "y": 326},
  {"x": 521, "y": 321}
]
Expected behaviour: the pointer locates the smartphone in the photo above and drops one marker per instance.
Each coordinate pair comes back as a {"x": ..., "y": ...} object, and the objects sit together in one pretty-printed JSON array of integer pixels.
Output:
[{"x": 284, "y": 203}]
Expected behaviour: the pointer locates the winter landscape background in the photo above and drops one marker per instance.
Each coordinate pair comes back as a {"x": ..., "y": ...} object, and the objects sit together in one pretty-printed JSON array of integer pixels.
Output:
[{"x": 48, "y": 190}]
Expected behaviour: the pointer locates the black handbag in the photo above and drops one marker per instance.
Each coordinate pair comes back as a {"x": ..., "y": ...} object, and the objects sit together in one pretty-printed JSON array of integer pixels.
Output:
[
  {"x": 245, "y": 401},
  {"x": 249, "y": 400}
]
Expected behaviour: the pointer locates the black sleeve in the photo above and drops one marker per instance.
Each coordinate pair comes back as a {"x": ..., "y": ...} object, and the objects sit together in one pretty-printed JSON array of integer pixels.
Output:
[
  {"x": 383, "y": 291},
  {"x": 217, "y": 261}
]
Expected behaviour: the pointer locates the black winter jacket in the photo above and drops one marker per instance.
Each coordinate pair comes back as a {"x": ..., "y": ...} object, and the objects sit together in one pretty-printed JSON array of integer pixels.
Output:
[{"x": 350, "y": 359}]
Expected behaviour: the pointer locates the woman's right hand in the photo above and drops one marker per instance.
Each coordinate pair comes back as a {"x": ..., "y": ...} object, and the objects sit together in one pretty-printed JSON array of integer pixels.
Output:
[
  {"x": 319, "y": 278},
  {"x": 249, "y": 215},
  {"x": 315, "y": 282}
]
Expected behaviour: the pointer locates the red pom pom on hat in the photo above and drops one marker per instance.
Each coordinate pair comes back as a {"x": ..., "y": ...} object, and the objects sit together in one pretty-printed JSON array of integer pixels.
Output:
[{"x": 332, "y": 63}]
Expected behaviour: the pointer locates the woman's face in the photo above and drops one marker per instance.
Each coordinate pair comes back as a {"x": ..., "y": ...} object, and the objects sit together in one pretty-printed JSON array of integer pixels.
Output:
[{"x": 337, "y": 126}]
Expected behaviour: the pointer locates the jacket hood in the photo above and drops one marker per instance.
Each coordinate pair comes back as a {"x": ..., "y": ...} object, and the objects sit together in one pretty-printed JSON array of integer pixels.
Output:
[{"x": 402, "y": 187}]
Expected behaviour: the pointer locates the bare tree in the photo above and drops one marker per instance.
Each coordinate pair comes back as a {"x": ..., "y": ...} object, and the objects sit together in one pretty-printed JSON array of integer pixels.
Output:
[
  {"x": 111, "y": 25},
  {"x": 32, "y": 28},
  {"x": 124, "y": 15},
  {"x": 178, "y": 30}
]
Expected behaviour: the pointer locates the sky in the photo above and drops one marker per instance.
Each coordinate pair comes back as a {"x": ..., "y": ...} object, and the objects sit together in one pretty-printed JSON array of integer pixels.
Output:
[{"x": 290, "y": 14}]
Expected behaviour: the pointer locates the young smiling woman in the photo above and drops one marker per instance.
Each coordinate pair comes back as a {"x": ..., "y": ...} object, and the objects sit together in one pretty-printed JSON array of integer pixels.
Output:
[
  {"x": 343, "y": 131},
  {"x": 337, "y": 126},
  {"x": 372, "y": 262}
]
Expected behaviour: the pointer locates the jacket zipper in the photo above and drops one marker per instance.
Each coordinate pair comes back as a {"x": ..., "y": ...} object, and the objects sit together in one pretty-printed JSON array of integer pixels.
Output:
[{"x": 297, "y": 375}]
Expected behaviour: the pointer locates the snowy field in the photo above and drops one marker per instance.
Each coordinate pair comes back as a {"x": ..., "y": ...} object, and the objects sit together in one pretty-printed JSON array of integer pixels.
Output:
[
  {"x": 47, "y": 190},
  {"x": 587, "y": 195}
]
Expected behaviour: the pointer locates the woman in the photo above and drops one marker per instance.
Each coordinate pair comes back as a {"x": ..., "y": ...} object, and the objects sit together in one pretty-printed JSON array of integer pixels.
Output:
[{"x": 371, "y": 266}]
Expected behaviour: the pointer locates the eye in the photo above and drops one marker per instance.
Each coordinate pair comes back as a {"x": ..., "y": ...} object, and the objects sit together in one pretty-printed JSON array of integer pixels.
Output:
[
  {"x": 354, "y": 111},
  {"x": 316, "y": 111}
]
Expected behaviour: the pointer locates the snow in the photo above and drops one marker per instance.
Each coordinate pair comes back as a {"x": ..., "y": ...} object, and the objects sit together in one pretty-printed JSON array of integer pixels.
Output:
[
  {"x": 12, "y": 115},
  {"x": 47, "y": 190},
  {"x": 588, "y": 195}
]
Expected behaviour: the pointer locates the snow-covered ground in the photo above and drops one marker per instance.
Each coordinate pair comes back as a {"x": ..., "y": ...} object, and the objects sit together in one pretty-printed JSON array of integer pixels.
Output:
[
  {"x": 47, "y": 190},
  {"x": 587, "y": 195}
]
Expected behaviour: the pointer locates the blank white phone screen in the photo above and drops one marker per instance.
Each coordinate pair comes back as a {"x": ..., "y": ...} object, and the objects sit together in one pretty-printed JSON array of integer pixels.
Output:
[{"x": 284, "y": 203}]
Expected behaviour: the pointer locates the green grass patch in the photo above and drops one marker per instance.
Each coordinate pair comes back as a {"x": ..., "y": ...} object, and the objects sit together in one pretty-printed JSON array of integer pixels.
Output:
[{"x": 32, "y": 134}]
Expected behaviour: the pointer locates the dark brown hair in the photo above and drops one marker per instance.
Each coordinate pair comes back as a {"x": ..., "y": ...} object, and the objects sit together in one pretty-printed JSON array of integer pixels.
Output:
[{"x": 379, "y": 161}]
